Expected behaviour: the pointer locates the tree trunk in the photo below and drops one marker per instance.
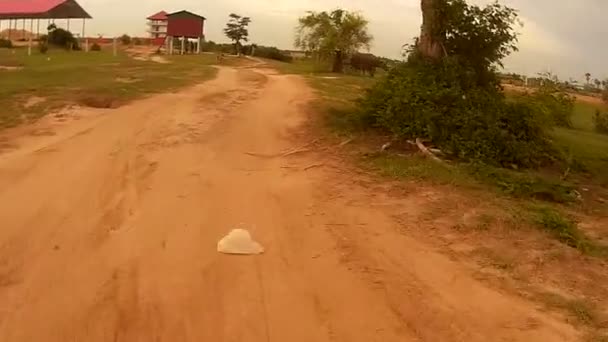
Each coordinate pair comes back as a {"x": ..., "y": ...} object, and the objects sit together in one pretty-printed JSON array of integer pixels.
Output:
[
  {"x": 431, "y": 34},
  {"x": 338, "y": 62}
]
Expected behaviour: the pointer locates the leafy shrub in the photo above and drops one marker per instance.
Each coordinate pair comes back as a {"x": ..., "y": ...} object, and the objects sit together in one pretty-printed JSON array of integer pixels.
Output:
[
  {"x": 137, "y": 41},
  {"x": 554, "y": 103},
  {"x": 62, "y": 38},
  {"x": 5, "y": 43},
  {"x": 600, "y": 120},
  {"x": 95, "y": 47},
  {"x": 271, "y": 53},
  {"x": 444, "y": 103},
  {"x": 125, "y": 39},
  {"x": 43, "y": 47}
]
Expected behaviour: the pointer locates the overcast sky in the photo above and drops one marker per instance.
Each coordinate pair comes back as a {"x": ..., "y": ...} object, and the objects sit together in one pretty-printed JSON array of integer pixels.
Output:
[{"x": 567, "y": 37}]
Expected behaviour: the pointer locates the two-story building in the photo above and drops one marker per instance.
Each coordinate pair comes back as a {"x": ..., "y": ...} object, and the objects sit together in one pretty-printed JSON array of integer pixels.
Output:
[{"x": 157, "y": 25}]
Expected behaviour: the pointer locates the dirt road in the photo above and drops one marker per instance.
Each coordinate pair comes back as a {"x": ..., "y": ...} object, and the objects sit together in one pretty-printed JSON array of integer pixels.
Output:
[{"x": 109, "y": 225}]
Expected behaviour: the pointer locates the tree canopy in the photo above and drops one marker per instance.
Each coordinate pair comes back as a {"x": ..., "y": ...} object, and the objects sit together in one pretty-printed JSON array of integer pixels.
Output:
[
  {"x": 336, "y": 34},
  {"x": 237, "y": 29},
  {"x": 449, "y": 94},
  {"x": 479, "y": 37}
]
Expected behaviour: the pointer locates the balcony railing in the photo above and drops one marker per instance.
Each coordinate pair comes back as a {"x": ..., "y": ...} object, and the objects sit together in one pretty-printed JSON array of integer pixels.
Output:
[{"x": 157, "y": 23}]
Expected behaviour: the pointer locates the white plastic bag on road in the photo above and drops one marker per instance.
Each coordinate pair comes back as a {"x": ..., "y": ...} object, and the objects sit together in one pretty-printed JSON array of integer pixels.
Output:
[{"x": 239, "y": 241}]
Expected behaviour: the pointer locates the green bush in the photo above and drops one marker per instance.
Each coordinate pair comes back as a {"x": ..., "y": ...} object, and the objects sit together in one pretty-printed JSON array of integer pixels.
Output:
[
  {"x": 95, "y": 47},
  {"x": 271, "y": 53},
  {"x": 5, "y": 43},
  {"x": 443, "y": 103},
  {"x": 554, "y": 103},
  {"x": 125, "y": 39},
  {"x": 137, "y": 41},
  {"x": 61, "y": 38},
  {"x": 600, "y": 120}
]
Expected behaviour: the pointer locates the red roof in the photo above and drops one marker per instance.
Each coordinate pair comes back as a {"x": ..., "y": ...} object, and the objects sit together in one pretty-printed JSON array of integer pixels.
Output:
[
  {"x": 28, "y": 6},
  {"x": 162, "y": 15},
  {"x": 30, "y": 9}
]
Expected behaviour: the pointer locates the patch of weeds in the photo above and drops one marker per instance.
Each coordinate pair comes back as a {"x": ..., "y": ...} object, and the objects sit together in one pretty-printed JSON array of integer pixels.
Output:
[
  {"x": 561, "y": 227},
  {"x": 581, "y": 310},
  {"x": 98, "y": 101},
  {"x": 341, "y": 118},
  {"x": 524, "y": 185},
  {"x": 492, "y": 258},
  {"x": 419, "y": 168},
  {"x": 484, "y": 222}
]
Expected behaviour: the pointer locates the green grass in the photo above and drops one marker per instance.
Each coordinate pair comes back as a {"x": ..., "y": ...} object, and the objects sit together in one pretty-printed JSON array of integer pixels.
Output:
[
  {"x": 563, "y": 228},
  {"x": 524, "y": 185},
  {"x": 582, "y": 311},
  {"x": 62, "y": 78},
  {"x": 300, "y": 67},
  {"x": 588, "y": 148},
  {"x": 584, "y": 112}
]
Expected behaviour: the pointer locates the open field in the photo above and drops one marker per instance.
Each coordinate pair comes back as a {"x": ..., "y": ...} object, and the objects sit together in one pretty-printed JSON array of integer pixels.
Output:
[{"x": 49, "y": 82}]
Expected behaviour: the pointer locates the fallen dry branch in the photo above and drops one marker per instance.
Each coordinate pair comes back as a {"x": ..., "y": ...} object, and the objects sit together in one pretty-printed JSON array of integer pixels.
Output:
[
  {"x": 301, "y": 149},
  {"x": 313, "y": 166},
  {"x": 426, "y": 151},
  {"x": 346, "y": 142}
]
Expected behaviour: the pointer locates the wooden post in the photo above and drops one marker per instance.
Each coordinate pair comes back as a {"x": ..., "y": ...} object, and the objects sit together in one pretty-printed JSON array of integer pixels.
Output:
[
  {"x": 38, "y": 29},
  {"x": 86, "y": 44},
  {"x": 68, "y": 25},
  {"x": 183, "y": 45},
  {"x": 23, "y": 29},
  {"x": 82, "y": 37},
  {"x": 170, "y": 45},
  {"x": 29, "y": 41},
  {"x": 115, "y": 47},
  {"x": 198, "y": 45}
]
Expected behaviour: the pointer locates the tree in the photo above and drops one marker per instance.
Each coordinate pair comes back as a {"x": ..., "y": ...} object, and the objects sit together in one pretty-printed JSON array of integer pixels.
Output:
[
  {"x": 588, "y": 77},
  {"x": 597, "y": 83},
  {"x": 125, "y": 39},
  {"x": 448, "y": 94},
  {"x": 60, "y": 37},
  {"x": 432, "y": 32},
  {"x": 237, "y": 29},
  {"x": 337, "y": 34}
]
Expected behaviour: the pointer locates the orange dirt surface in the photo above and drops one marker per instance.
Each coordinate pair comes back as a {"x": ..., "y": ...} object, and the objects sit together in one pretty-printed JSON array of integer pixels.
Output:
[{"x": 110, "y": 223}]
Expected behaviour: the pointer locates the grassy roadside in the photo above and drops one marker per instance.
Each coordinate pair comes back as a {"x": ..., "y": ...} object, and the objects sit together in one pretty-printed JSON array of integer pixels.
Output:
[
  {"x": 541, "y": 229},
  {"x": 98, "y": 79}
]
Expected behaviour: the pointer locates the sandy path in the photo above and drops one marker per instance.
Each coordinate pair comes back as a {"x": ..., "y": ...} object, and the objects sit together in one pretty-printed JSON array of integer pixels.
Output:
[{"x": 108, "y": 233}]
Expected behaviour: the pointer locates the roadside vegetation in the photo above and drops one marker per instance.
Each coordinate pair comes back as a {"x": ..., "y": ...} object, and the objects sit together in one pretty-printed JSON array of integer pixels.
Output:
[{"x": 536, "y": 159}]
